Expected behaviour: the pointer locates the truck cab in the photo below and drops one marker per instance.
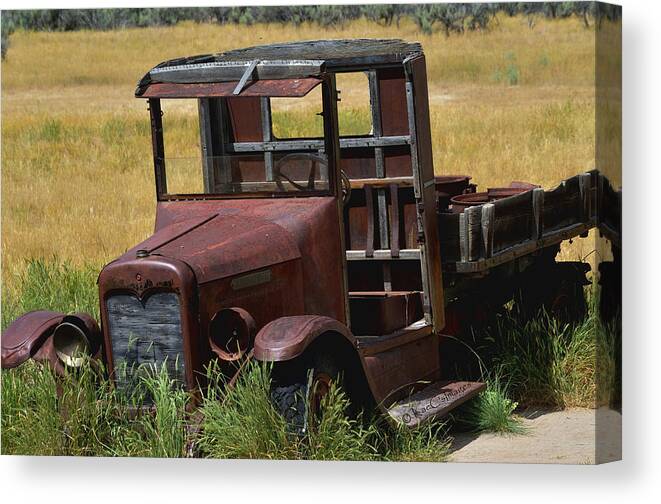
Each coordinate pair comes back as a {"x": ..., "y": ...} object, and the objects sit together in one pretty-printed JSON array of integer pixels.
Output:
[{"x": 284, "y": 247}]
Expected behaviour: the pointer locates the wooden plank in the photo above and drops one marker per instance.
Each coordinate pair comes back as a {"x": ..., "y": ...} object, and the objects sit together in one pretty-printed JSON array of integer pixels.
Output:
[
  {"x": 520, "y": 249},
  {"x": 224, "y": 71},
  {"x": 247, "y": 74},
  {"x": 384, "y": 255},
  {"x": 381, "y": 182},
  {"x": 473, "y": 231},
  {"x": 463, "y": 238},
  {"x": 316, "y": 144},
  {"x": 146, "y": 333},
  {"x": 332, "y": 152},
  {"x": 372, "y": 345},
  {"x": 433, "y": 401},
  {"x": 422, "y": 163},
  {"x": 487, "y": 220},
  {"x": 514, "y": 221},
  {"x": 448, "y": 225},
  {"x": 562, "y": 205},
  {"x": 384, "y": 225}
]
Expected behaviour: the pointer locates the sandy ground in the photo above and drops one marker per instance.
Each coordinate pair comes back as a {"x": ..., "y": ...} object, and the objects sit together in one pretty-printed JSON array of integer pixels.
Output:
[{"x": 573, "y": 436}]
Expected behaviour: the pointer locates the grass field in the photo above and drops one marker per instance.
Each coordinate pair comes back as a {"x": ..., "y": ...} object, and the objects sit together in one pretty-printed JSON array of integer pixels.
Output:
[
  {"x": 510, "y": 103},
  {"x": 76, "y": 162}
]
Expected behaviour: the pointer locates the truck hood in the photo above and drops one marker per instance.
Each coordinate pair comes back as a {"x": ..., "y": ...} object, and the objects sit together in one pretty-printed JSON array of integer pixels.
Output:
[{"x": 217, "y": 245}]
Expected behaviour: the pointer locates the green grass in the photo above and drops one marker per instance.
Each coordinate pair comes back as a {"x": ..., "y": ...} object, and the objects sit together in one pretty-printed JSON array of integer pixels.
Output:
[
  {"x": 79, "y": 413},
  {"x": 548, "y": 363},
  {"x": 492, "y": 410},
  {"x": 40, "y": 284}
]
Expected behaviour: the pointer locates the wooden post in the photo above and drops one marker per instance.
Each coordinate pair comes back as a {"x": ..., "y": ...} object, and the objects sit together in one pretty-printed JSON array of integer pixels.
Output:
[
  {"x": 396, "y": 222},
  {"x": 584, "y": 181},
  {"x": 267, "y": 136},
  {"x": 537, "y": 213},
  {"x": 158, "y": 148}
]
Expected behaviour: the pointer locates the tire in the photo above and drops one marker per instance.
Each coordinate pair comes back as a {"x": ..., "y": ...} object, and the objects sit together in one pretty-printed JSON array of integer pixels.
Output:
[
  {"x": 298, "y": 389},
  {"x": 289, "y": 401}
]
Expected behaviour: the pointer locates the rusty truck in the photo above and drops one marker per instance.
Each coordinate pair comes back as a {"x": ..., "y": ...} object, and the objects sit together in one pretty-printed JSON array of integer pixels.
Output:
[{"x": 329, "y": 255}]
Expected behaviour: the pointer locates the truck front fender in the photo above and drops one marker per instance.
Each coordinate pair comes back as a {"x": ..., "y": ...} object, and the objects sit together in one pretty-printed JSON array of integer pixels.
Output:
[
  {"x": 25, "y": 336},
  {"x": 286, "y": 338},
  {"x": 30, "y": 336}
]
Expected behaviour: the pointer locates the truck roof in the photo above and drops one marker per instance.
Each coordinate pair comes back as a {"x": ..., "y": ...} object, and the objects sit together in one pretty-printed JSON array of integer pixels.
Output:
[{"x": 282, "y": 61}]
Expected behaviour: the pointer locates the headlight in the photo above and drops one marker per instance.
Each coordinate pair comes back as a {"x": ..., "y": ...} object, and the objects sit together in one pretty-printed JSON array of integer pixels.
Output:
[
  {"x": 231, "y": 333},
  {"x": 71, "y": 344}
]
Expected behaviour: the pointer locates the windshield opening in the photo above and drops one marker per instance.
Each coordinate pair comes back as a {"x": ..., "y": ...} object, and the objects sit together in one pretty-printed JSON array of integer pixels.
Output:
[
  {"x": 226, "y": 146},
  {"x": 293, "y": 172}
]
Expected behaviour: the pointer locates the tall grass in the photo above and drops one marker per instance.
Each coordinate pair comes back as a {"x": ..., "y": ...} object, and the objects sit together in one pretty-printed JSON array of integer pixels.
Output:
[
  {"x": 30, "y": 424},
  {"x": 555, "y": 364},
  {"x": 81, "y": 413},
  {"x": 39, "y": 284},
  {"x": 241, "y": 422}
]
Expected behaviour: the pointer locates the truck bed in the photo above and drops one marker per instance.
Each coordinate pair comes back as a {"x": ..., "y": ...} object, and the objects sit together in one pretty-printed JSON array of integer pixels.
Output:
[{"x": 490, "y": 234}]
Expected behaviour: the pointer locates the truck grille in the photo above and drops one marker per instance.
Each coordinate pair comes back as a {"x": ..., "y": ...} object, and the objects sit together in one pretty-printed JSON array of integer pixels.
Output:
[{"x": 145, "y": 335}]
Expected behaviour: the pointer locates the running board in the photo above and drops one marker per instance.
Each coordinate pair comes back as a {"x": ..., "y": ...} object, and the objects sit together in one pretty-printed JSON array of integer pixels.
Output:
[{"x": 434, "y": 401}]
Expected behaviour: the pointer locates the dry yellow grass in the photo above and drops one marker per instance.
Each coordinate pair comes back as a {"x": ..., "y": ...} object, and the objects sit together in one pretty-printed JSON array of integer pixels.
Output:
[{"x": 76, "y": 154}]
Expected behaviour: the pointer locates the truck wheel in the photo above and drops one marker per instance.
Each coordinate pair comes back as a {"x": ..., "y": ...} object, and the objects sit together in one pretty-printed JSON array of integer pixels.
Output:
[{"x": 297, "y": 392}]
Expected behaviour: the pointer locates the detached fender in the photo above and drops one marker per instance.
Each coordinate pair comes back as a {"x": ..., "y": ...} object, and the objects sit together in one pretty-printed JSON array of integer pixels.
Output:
[
  {"x": 30, "y": 335},
  {"x": 25, "y": 336},
  {"x": 286, "y": 338}
]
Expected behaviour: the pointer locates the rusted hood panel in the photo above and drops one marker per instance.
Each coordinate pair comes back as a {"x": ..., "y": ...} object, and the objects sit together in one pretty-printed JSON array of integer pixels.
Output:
[
  {"x": 26, "y": 334},
  {"x": 248, "y": 234},
  {"x": 230, "y": 245},
  {"x": 219, "y": 242}
]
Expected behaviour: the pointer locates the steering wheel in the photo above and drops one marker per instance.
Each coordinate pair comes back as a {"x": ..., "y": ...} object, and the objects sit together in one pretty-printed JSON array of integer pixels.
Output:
[
  {"x": 313, "y": 158},
  {"x": 277, "y": 170}
]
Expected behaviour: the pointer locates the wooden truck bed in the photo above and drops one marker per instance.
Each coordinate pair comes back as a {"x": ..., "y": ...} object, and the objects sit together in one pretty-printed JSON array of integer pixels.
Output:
[{"x": 493, "y": 233}]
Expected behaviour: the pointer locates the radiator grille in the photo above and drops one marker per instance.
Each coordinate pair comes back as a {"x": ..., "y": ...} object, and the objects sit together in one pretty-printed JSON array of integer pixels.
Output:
[{"x": 145, "y": 335}]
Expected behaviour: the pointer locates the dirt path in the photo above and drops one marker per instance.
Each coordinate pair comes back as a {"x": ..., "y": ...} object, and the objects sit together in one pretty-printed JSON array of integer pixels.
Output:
[{"x": 553, "y": 437}]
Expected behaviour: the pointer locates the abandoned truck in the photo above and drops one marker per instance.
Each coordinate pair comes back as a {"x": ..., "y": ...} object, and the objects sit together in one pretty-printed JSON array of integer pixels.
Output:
[{"x": 335, "y": 255}]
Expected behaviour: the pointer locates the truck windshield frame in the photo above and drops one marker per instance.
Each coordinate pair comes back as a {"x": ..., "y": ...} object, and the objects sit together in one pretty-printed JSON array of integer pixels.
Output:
[{"x": 241, "y": 158}]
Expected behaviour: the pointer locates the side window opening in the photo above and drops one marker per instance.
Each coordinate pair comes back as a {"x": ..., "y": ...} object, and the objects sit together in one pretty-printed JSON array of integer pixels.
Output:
[
  {"x": 354, "y": 111},
  {"x": 181, "y": 141}
]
